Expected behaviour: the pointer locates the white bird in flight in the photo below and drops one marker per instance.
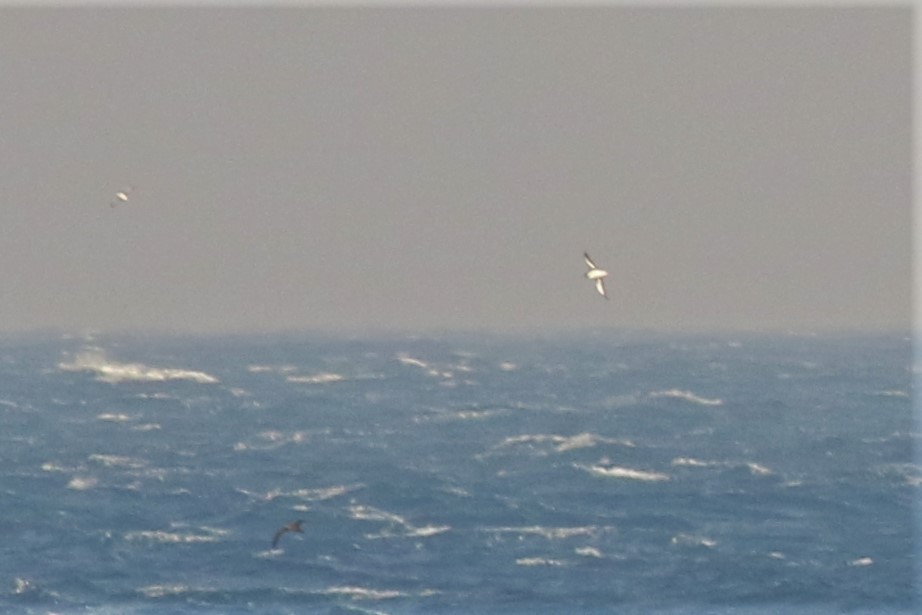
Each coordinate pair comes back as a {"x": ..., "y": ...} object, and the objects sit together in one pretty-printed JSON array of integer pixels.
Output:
[
  {"x": 596, "y": 274},
  {"x": 121, "y": 197}
]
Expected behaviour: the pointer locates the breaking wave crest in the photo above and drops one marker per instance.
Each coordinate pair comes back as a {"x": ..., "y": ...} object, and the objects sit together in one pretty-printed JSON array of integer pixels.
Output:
[
  {"x": 404, "y": 528},
  {"x": 626, "y": 473},
  {"x": 114, "y": 372},
  {"x": 686, "y": 396}
]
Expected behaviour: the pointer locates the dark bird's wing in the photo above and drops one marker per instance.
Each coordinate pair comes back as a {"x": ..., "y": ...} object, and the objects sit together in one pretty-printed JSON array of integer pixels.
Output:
[{"x": 278, "y": 534}]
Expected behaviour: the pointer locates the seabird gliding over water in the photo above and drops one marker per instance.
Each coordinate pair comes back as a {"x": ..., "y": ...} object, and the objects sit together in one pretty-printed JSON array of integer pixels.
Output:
[
  {"x": 596, "y": 274},
  {"x": 294, "y": 526}
]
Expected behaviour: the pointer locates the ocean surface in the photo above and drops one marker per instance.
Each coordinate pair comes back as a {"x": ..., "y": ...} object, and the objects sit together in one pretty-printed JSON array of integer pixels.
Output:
[{"x": 610, "y": 473}]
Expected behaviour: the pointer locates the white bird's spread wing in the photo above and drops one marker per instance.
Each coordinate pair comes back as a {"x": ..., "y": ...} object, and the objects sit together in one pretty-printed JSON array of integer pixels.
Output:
[
  {"x": 600, "y": 286},
  {"x": 589, "y": 261}
]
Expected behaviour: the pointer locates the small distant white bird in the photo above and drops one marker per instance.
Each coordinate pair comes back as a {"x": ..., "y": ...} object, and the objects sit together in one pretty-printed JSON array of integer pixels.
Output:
[
  {"x": 596, "y": 274},
  {"x": 121, "y": 197}
]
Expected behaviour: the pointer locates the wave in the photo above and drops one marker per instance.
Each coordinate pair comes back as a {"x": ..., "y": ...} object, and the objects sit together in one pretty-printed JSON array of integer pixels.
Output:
[
  {"x": 312, "y": 495},
  {"x": 687, "y": 540},
  {"x": 626, "y": 473},
  {"x": 118, "y": 461},
  {"x": 685, "y": 396},
  {"x": 27, "y": 588},
  {"x": 894, "y": 393},
  {"x": 405, "y": 359},
  {"x": 754, "y": 468},
  {"x": 82, "y": 483},
  {"x": 146, "y": 427},
  {"x": 365, "y": 593},
  {"x": 906, "y": 473},
  {"x": 427, "y": 531},
  {"x": 408, "y": 530},
  {"x": 50, "y": 466},
  {"x": 112, "y": 417},
  {"x": 272, "y": 369},
  {"x": 173, "y": 589},
  {"x": 460, "y": 415},
  {"x": 323, "y": 378},
  {"x": 274, "y": 439},
  {"x": 202, "y": 534},
  {"x": 539, "y": 561},
  {"x": 114, "y": 372},
  {"x": 551, "y": 533},
  {"x": 561, "y": 443}
]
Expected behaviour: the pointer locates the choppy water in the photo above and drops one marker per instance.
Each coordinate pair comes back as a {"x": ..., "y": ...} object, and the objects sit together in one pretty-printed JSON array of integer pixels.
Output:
[{"x": 624, "y": 473}]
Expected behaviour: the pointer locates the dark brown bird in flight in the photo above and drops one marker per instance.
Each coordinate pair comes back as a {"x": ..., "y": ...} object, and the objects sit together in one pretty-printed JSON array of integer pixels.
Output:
[{"x": 294, "y": 526}]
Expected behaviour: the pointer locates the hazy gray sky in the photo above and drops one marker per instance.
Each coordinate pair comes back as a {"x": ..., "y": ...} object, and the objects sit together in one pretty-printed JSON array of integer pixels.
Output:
[{"x": 418, "y": 168}]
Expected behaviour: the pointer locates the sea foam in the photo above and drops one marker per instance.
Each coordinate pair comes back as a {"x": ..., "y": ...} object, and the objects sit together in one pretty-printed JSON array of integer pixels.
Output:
[{"x": 114, "y": 372}]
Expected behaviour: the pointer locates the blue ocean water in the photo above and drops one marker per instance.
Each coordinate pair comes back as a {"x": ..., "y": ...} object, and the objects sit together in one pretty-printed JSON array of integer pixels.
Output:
[{"x": 618, "y": 473}]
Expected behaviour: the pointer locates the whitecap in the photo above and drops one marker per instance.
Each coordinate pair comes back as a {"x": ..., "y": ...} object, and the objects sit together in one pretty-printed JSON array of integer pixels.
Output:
[
  {"x": 275, "y": 439},
  {"x": 562, "y": 444},
  {"x": 468, "y": 415},
  {"x": 539, "y": 561},
  {"x": 364, "y": 593},
  {"x": 114, "y": 372},
  {"x": 694, "y": 463},
  {"x": 271, "y": 369},
  {"x": 894, "y": 393},
  {"x": 316, "y": 494},
  {"x": 170, "y": 537},
  {"x": 431, "y": 371},
  {"x": 146, "y": 427},
  {"x": 325, "y": 493},
  {"x": 50, "y": 466},
  {"x": 22, "y": 586},
  {"x": 627, "y": 473},
  {"x": 531, "y": 438},
  {"x": 428, "y": 530},
  {"x": 117, "y": 461},
  {"x": 551, "y": 533},
  {"x": 861, "y": 561},
  {"x": 759, "y": 469},
  {"x": 408, "y": 360},
  {"x": 685, "y": 396},
  {"x": 82, "y": 483},
  {"x": 112, "y": 417},
  {"x": 323, "y": 378},
  {"x": 460, "y": 415},
  {"x": 588, "y": 552},
  {"x": 588, "y": 440},
  {"x": 688, "y": 540},
  {"x": 370, "y": 513},
  {"x": 908, "y": 473},
  {"x": 754, "y": 468},
  {"x": 175, "y": 589}
]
